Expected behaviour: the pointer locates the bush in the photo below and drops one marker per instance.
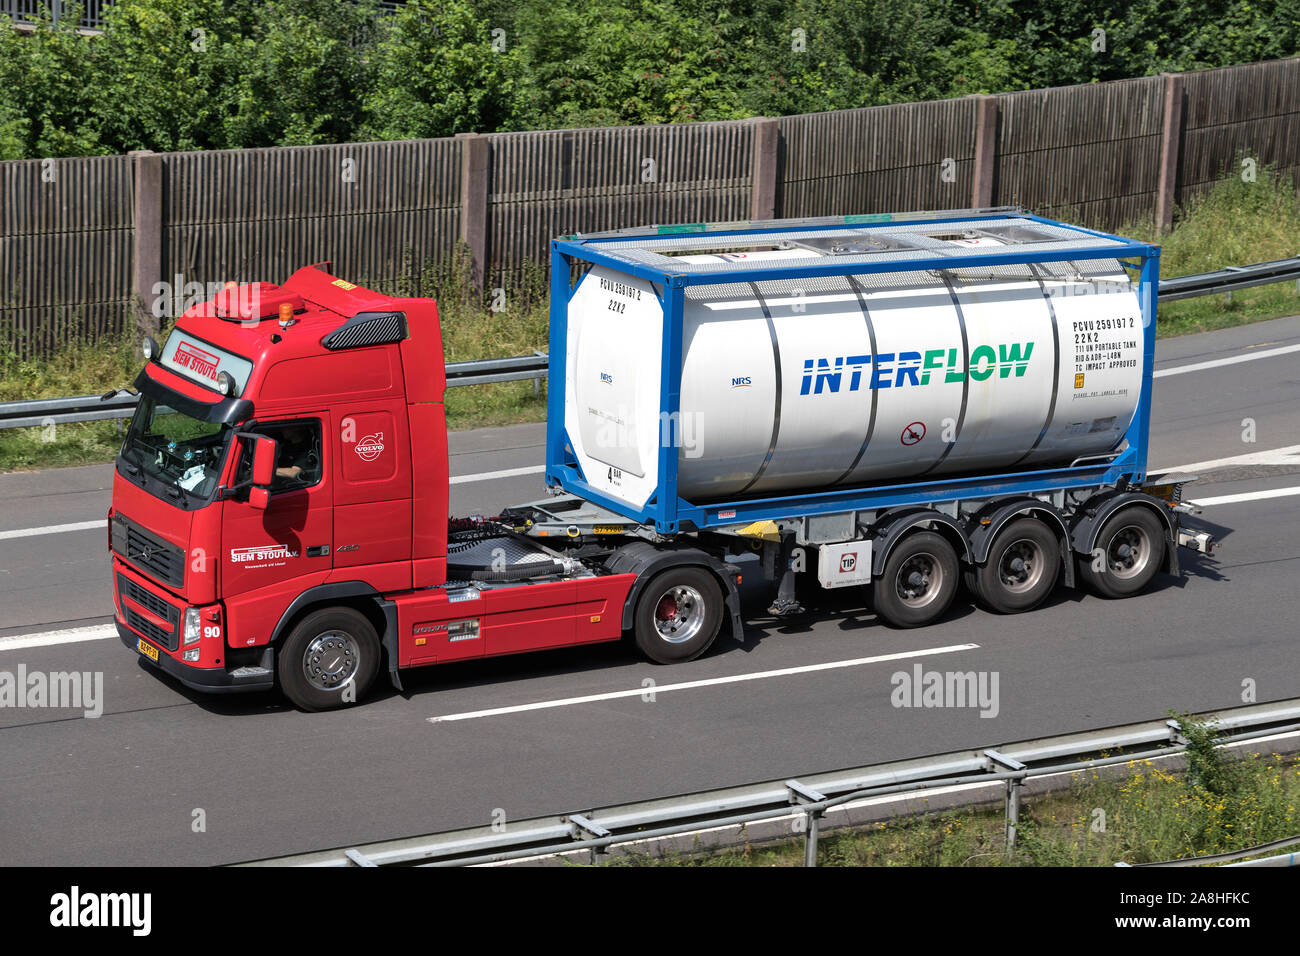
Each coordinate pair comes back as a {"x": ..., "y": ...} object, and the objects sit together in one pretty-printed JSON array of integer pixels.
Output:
[{"x": 218, "y": 74}]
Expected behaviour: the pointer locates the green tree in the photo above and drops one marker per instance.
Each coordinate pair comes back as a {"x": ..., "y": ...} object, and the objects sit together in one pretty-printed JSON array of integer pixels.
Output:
[
  {"x": 154, "y": 73},
  {"x": 297, "y": 74},
  {"x": 43, "y": 89},
  {"x": 205, "y": 74},
  {"x": 437, "y": 72}
]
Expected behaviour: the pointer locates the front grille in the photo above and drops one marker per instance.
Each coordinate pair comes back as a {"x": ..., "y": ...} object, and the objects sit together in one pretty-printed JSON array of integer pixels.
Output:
[
  {"x": 151, "y": 555},
  {"x": 150, "y": 630},
  {"x": 128, "y": 589}
]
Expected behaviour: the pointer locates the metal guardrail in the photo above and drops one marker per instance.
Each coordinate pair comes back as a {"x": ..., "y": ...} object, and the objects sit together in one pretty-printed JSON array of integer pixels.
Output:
[
  {"x": 811, "y": 796},
  {"x": 1229, "y": 279},
  {"x": 57, "y": 411},
  {"x": 1283, "y": 859},
  {"x": 88, "y": 408}
]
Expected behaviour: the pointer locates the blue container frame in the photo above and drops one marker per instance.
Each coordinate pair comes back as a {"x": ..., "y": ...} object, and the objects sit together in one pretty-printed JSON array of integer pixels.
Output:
[{"x": 671, "y": 514}]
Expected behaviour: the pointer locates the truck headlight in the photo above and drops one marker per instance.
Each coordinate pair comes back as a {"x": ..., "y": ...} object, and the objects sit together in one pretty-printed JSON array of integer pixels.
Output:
[{"x": 192, "y": 628}]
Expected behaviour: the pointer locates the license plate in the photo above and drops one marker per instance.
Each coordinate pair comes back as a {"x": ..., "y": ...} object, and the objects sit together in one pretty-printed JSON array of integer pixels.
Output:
[
  {"x": 147, "y": 649},
  {"x": 608, "y": 529}
]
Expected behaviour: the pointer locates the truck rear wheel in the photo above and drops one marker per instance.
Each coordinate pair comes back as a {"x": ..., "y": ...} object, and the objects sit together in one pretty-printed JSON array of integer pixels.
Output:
[
  {"x": 329, "y": 659},
  {"x": 918, "y": 582},
  {"x": 1023, "y": 563},
  {"x": 678, "y": 614},
  {"x": 1127, "y": 555}
]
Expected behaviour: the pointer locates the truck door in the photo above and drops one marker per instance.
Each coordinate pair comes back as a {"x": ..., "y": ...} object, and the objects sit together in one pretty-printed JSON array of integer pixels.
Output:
[
  {"x": 270, "y": 557},
  {"x": 372, "y": 494}
]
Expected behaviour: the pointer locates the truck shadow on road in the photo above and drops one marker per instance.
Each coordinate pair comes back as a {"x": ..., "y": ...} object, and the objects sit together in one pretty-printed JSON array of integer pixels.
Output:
[{"x": 618, "y": 662}]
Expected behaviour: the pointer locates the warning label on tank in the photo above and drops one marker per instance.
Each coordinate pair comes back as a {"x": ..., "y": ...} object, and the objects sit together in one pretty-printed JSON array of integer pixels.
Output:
[{"x": 1104, "y": 344}]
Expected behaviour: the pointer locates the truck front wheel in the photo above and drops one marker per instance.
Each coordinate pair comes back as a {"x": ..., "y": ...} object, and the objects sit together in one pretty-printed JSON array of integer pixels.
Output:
[
  {"x": 329, "y": 659},
  {"x": 678, "y": 615}
]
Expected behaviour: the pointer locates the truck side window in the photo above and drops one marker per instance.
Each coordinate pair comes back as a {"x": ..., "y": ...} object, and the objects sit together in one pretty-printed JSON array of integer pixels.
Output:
[{"x": 298, "y": 455}]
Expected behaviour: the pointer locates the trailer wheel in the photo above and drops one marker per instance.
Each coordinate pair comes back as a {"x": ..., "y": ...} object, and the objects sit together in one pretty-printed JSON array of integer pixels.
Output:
[
  {"x": 1023, "y": 564},
  {"x": 918, "y": 582},
  {"x": 1127, "y": 555},
  {"x": 678, "y": 614},
  {"x": 329, "y": 659}
]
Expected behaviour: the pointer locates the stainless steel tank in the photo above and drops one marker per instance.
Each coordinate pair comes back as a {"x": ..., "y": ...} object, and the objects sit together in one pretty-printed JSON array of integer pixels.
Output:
[{"x": 853, "y": 380}]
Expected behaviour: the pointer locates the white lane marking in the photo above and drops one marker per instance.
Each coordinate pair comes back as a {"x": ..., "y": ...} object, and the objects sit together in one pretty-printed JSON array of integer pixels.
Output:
[
  {"x": 1215, "y": 363},
  {"x": 54, "y": 529},
  {"x": 1247, "y": 496},
  {"x": 93, "y": 525},
  {"x": 505, "y": 473},
  {"x": 708, "y": 682},
  {"x": 1290, "y": 455},
  {"x": 71, "y": 635}
]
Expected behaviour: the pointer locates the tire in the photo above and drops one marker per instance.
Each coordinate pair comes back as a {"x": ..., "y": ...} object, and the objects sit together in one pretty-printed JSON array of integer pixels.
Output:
[
  {"x": 678, "y": 614},
  {"x": 1023, "y": 564},
  {"x": 327, "y": 651},
  {"x": 918, "y": 582},
  {"x": 1127, "y": 555}
]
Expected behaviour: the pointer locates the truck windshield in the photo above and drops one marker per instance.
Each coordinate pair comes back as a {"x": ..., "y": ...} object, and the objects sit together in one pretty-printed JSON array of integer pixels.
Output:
[{"x": 181, "y": 453}]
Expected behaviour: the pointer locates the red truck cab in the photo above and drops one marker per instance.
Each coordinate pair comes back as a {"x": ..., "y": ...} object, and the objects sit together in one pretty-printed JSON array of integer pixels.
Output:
[{"x": 280, "y": 507}]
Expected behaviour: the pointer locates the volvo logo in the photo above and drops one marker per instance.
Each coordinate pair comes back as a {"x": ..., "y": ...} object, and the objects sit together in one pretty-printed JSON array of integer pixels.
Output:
[{"x": 371, "y": 447}]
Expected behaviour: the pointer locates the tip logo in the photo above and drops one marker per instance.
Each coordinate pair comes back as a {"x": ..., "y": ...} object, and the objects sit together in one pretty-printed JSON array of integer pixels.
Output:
[{"x": 371, "y": 447}]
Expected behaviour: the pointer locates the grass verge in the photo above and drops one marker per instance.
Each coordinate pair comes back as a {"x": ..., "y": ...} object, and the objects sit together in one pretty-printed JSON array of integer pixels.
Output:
[
  {"x": 1217, "y": 805},
  {"x": 1235, "y": 223}
]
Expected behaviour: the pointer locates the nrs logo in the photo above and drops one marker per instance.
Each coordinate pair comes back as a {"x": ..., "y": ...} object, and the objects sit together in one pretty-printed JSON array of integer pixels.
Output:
[
  {"x": 897, "y": 369},
  {"x": 743, "y": 381},
  {"x": 370, "y": 447},
  {"x": 607, "y": 378}
]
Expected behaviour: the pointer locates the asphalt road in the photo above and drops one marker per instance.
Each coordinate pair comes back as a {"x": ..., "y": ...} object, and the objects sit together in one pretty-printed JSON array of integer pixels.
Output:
[{"x": 166, "y": 776}]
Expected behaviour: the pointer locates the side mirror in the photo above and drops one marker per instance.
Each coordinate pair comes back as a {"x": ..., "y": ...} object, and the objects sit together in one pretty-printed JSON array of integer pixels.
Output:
[
  {"x": 259, "y": 498},
  {"x": 264, "y": 451}
]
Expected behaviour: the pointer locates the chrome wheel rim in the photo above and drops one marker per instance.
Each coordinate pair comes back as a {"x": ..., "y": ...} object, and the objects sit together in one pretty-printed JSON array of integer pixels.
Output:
[
  {"x": 679, "y": 614},
  {"x": 1021, "y": 566},
  {"x": 1128, "y": 552},
  {"x": 330, "y": 660},
  {"x": 920, "y": 580}
]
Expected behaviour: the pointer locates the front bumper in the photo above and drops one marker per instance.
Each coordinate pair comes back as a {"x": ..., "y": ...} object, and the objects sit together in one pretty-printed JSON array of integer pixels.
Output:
[{"x": 211, "y": 680}]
